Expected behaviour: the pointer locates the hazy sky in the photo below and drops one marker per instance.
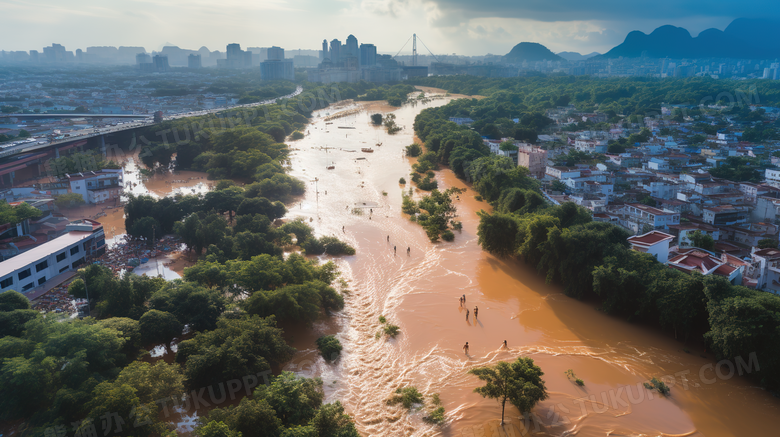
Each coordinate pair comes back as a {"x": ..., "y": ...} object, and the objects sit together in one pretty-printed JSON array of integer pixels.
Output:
[{"x": 465, "y": 27}]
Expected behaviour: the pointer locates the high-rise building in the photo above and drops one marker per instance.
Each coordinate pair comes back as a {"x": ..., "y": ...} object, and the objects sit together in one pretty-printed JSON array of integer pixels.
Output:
[
  {"x": 142, "y": 58},
  {"x": 194, "y": 61},
  {"x": 275, "y": 54},
  {"x": 351, "y": 47},
  {"x": 335, "y": 51},
  {"x": 54, "y": 53},
  {"x": 367, "y": 55},
  {"x": 324, "y": 52},
  {"x": 233, "y": 51},
  {"x": 236, "y": 58},
  {"x": 160, "y": 63}
]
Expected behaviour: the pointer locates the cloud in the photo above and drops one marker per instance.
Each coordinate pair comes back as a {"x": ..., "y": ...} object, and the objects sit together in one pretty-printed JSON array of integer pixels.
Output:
[{"x": 602, "y": 10}]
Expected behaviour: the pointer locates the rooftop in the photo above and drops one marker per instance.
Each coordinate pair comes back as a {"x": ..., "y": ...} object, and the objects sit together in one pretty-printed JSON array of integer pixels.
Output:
[
  {"x": 649, "y": 209},
  {"x": 695, "y": 260},
  {"x": 650, "y": 239},
  {"x": 769, "y": 253},
  {"x": 43, "y": 250}
]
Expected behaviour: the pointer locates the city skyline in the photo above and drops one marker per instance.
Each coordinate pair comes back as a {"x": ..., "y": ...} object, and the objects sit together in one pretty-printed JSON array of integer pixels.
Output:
[{"x": 447, "y": 27}]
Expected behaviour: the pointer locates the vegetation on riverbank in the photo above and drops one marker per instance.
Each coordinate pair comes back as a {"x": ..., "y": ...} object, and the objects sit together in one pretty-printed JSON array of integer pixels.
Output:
[
  {"x": 593, "y": 259},
  {"x": 56, "y": 373}
]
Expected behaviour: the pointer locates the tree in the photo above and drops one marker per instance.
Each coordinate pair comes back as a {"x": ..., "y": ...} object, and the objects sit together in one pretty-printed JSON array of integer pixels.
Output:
[
  {"x": 332, "y": 421},
  {"x": 69, "y": 200},
  {"x": 507, "y": 146},
  {"x": 767, "y": 243},
  {"x": 147, "y": 228},
  {"x": 236, "y": 348},
  {"x": 702, "y": 240},
  {"x": 497, "y": 233},
  {"x": 24, "y": 134},
  {"x": 190, "y": 303},
  {"x": 159, "y": 327},
  {"x": 414, "y": 150},
  {"x": 376, "y": 119},
  {"x": 215, "y": 429},
  {"x": 329, "y": 346},
  {"x": 294, "y": 399},
  {"x": 519, "y": 382},
  {"x": 14, "y": 313},
  {"x": 649, "y": 201},
  {"x": 558, "y": 186},
  {"x": 12, "y": 300}
]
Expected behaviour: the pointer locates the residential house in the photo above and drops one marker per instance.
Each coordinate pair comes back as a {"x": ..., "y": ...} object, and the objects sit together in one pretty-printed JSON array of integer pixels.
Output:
[
  {"x": 704, "y": 262},
  {"x": 97, "y": 186},
  {"x": 726, "y": 215},
  {"x": 654, "y": 242}
]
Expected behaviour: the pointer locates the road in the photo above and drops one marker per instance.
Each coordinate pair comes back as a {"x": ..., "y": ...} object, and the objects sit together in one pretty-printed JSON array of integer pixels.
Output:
[{"x": 35, "y": 146}]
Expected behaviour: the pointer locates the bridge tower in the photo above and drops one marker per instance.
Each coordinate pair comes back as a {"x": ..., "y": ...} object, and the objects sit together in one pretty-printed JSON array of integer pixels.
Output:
[{"x": 414, "y": 50}]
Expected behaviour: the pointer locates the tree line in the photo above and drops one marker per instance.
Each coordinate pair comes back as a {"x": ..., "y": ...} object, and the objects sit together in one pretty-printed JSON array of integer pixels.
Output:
[
  {"x": 593, "y": 259},
  {"x": 58, "y": 376}
]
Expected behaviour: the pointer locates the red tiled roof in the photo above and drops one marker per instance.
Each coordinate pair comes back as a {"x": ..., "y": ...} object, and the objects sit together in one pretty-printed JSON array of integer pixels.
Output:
[
  {"x": 649, "y": 239},
  {"x": 768, "y": 253},
  {"x": 695, "y": 260}
]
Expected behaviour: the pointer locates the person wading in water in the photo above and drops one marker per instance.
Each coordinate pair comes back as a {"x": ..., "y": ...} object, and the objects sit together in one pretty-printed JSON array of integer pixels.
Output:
[{"x": 466, "y": 348}]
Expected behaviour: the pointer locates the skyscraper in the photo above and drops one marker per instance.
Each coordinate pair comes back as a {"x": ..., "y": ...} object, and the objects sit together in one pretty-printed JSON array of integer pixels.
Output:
[
  {"x": 160, "y": 63},
  {"x": 233, "y": 51},
  {"x": 351, "y": 47},
  {"x": 275, "y": 53},
  {"x": 277, "y": 67},
  {"x": 194, "y": 61},
  {"x": 335, "y": 51},
  {"x": 367, "y": 55},
  {"x": 142, "y": 58},
  {"x": 324, "y": 53}
]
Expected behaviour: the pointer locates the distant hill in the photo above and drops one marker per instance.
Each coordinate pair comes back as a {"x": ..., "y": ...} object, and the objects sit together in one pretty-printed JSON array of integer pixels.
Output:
[
  {"x": 531, "y": 52},
  {"x": 574, "y": 56},
  {"x": 744, "y": 38}
]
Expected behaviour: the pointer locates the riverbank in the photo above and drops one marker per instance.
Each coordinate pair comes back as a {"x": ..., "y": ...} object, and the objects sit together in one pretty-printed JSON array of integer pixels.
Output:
[{"x": 419, "y": 294}]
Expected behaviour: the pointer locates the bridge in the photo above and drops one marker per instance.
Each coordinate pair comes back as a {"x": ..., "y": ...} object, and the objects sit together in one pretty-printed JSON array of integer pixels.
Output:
[
  {"x": 47, "y": 115},
  {"x": 35, "y": 152}
]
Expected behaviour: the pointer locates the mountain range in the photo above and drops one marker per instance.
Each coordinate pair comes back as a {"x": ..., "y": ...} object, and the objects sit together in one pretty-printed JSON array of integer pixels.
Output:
[
  {"x": 575, "y": 56},
  {"x": 744, "y": 38},
  {"x": 531, "y": 52}
]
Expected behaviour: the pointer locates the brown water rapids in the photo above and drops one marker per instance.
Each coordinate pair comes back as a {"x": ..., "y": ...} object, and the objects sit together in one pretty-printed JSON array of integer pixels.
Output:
[{"x": 419, "y": 293}]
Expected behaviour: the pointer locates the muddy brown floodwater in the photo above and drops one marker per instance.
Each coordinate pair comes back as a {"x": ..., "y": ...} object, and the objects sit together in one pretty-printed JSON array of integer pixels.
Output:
[{"x": 420, "y": 294}]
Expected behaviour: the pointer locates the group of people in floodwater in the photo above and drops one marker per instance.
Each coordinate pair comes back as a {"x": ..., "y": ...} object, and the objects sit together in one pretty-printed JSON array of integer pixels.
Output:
[
  {"x": 395, "y": 248},
  {"x": 462, "y": 300}
]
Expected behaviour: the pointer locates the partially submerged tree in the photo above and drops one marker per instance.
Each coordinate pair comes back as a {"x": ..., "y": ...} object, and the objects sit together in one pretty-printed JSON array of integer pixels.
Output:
[{"x": 519, "y": 382}]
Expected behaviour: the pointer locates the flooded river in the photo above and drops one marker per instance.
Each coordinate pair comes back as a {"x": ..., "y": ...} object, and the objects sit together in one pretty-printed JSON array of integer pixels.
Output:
[{"x": 420, "y": 294}]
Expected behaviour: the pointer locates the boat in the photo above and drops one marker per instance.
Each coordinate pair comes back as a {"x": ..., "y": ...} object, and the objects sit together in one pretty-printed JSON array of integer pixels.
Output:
[
  {"x": 367, "y": 150},
  {"x": 346, "y": 127},
  {"x": 330, "y": 167}
]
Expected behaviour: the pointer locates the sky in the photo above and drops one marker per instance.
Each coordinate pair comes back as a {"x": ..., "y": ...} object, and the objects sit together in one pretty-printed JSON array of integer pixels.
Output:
[{"x": 464, "y": 27}]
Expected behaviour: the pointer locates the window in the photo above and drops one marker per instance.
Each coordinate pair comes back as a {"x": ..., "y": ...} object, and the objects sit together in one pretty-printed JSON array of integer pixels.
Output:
[
  {"x": 41, "y": 265},
  {"x": 62, "y": 256},
  {"x": 42, "y": 280},
  {"x": 74, "y": 250},
  {"x": 78, "y": 262},
  {"x": 7, "y": 282},
  {"x": 64, "y": 268},
  {"x": 28, "y": 286},
  {"x": 24, "y": 273}
]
